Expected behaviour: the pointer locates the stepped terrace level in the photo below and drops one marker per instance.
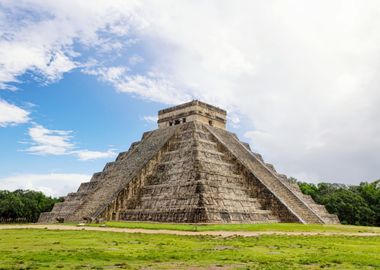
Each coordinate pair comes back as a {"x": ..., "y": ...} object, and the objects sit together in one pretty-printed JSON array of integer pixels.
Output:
[
  {"x": 190, "y": 112},
  {"x": 189, "y": 170}
]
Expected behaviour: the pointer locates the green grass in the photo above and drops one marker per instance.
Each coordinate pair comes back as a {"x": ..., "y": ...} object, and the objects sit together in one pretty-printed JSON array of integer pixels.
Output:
[
  {"x": 46, "y": 249},
  {"x": 280, "y": 227}
]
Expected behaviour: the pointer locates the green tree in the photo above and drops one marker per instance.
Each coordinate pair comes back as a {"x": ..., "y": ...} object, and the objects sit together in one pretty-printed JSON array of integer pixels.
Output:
[
  {"x": 350, "y": 207},
  {"x": 309, "y": 189},
  {"x": 370, "y": 192},
  {"x": 24, "y": 204},
  {"x": 355, "y": 204}
]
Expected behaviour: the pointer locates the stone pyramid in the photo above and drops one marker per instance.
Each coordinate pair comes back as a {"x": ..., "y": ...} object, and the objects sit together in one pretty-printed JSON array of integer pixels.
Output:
[{"x": 189, "y": 170}]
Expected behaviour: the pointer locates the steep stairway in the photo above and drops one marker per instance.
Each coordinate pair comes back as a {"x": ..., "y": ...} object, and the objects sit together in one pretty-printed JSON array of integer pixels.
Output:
[
  {"x": 296, "y": 203},
  {"x": 193, "y": 183}
]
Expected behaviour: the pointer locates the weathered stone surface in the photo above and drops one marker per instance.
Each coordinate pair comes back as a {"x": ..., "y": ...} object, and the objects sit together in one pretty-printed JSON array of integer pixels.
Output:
[
  {"x": 301, "y": 208},
  {"x": 189, "y": 172},
  {"x": 91, "y": 198},
  {"x": 190, "y": 112}
]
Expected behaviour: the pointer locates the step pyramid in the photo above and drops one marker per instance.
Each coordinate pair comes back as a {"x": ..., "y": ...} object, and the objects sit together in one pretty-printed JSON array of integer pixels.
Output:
[{"x": 189, "y": 170}]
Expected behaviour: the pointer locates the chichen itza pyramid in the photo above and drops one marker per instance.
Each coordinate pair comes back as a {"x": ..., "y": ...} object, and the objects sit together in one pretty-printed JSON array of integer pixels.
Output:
[{"x": 189, "y": 170}]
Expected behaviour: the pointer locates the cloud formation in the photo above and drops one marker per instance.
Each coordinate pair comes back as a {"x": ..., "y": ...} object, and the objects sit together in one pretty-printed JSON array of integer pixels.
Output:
[
  {"x": 150, "y": 118},
  {"x": 49, "y": 142},
  {"x": 40, "y": 37},
  {"x": 12, "y": 115},
  {"x": 304, "y": 76},
  {"x": 149, "y": 86},
  {"x": 59, "y": 142},
  {"x": 90, "y": 155},
  {"x": 52, "y": 184},
  {"x": 301, "y": 77}
]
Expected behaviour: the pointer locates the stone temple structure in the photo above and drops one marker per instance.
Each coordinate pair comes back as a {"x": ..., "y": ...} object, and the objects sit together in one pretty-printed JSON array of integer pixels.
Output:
[{"x": 189, "y": 170}]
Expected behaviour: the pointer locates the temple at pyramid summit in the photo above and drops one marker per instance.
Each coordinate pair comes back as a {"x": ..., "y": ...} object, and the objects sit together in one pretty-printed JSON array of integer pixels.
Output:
[{"x": 189, "y": 170}]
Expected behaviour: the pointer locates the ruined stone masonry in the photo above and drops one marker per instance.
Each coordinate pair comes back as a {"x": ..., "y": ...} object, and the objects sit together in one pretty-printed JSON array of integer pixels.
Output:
[{"x": 190, "y": 170}]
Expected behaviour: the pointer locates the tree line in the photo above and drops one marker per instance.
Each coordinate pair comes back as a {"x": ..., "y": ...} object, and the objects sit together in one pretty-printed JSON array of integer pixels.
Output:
[
  {"x": 354, "y": 204},
  {"x": 24, "y": 205}
]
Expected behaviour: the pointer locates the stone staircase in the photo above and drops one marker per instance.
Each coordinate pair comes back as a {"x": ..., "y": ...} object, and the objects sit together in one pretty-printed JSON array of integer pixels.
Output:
[
  {"x": 317, "y": 208},
  {"x": 302, "y": 208},
  {"x": 193, "y": 183},
  {"x": 93, "y": 197},
  {"x": 189, "y": 173}
]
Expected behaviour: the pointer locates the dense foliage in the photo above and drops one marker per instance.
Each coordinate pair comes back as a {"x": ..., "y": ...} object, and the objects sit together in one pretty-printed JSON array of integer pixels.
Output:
[
  {"x": 357, "y": 205},
  {"x": 24, "y": 205}
]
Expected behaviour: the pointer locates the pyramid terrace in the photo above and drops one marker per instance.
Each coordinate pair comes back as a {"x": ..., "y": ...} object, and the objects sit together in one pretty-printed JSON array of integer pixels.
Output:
[{"x": 189, "y": 170}]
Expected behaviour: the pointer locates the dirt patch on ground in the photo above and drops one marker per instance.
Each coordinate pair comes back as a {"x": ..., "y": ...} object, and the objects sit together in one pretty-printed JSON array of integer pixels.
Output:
[
  {"x": 185, "y": 267},
  {"x": 213, "y": 233}
]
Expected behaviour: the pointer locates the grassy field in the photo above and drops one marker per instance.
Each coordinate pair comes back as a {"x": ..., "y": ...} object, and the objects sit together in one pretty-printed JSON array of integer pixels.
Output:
[
  {"x": 279, "y": 227},
  {"x": 46, "y": 249}
]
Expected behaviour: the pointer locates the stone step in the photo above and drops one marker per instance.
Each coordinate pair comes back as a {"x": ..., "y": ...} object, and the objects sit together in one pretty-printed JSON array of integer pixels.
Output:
[
  {"x": 188, "y": 164},
  {"x": 242, "y": 218},
  {"x": 189, "y": 177},
  {"x": 197, "y": 215},
  {"x": 182, "y": 144},
  {"x": 66, "y": 207},
  {"x": 110, "y": 166},
  {"x": 122, "y": 155},
  {"x": 194, "y": 216},
  {"x": 192, "y": 151},
  {"x": 267, "y": 177},
  {"x": 320, "y": 208},
  {"x": 57, "y": 207},
  {"x": 193, "y": 133},
  {"x": 178, "y": 209},
  {"x": 87, "y": 187},
  {"x": 211, "y": 199},
  {"x": 193, "y": 184},
  {"x": 204, "y": 174},
  {"x": 196, "y": 159},
  {"x": 125, "y": 170}
]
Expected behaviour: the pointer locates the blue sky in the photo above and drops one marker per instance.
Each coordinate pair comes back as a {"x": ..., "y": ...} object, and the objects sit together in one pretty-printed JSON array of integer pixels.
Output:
[
  {"x": 81, "y": 81},
  {"x": 98, "y": 117}
]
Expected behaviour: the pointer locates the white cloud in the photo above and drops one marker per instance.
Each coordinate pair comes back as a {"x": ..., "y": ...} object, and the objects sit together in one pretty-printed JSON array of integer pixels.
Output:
[
  {"x": 90, "y": 155},
  {"x": 11, "y": 114},
  {"x": 150, "y": 118},
  {"x": 135, "y": 59},
  {"x": 233, "y": 119},
  {"x": 149, "y": 86},
  {"x": 49, "y": 142},
  {"x": 110, "y": 74},
  {"x": 59, "y": 142},
  {"x": 52, "y": 184},
  {"x": 43, "y": 36},
  {"x": 303, "y": 77}
]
